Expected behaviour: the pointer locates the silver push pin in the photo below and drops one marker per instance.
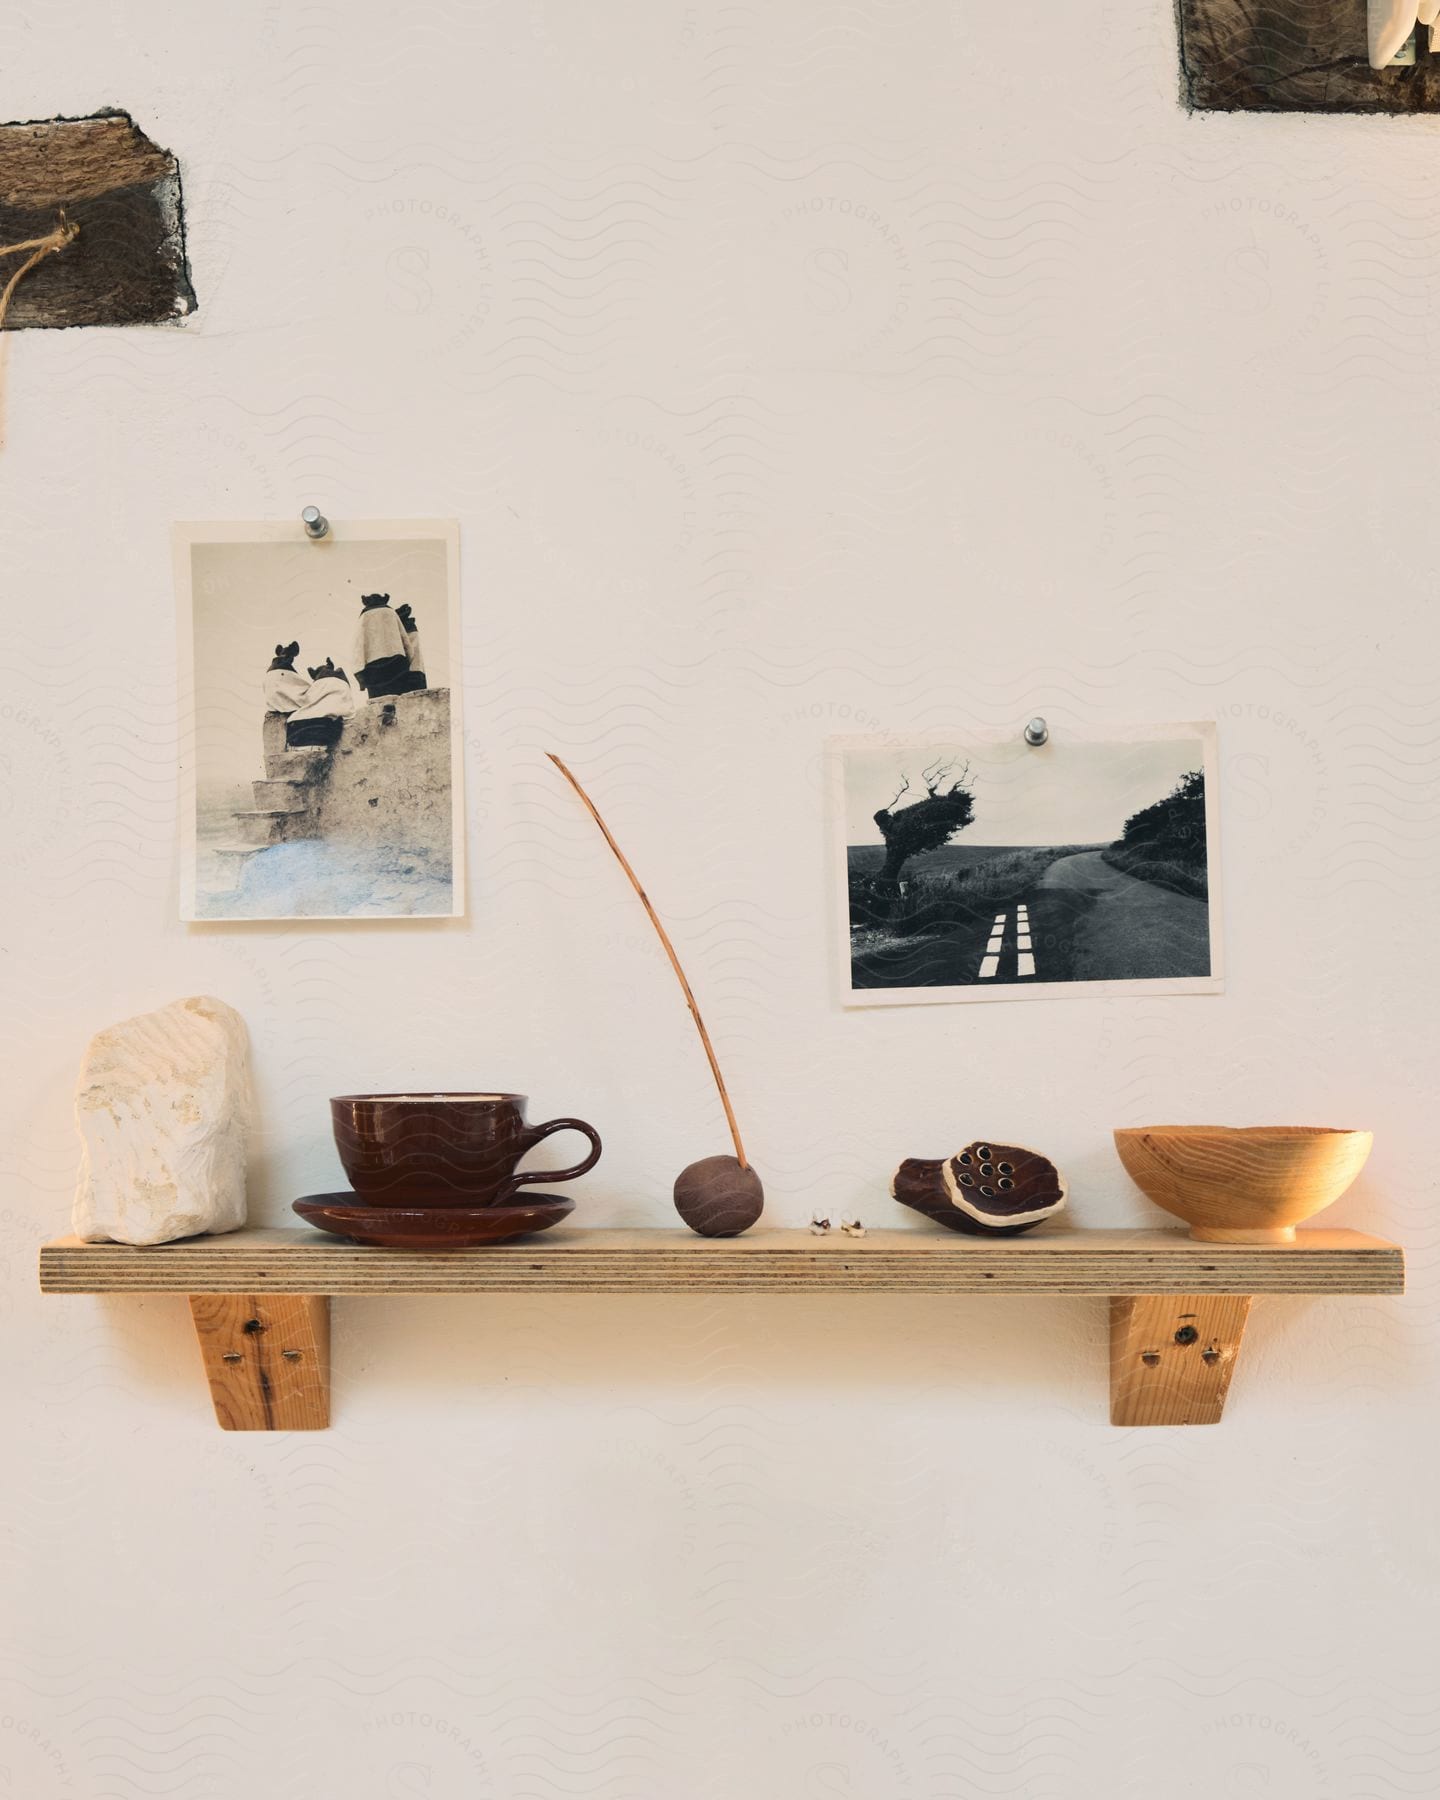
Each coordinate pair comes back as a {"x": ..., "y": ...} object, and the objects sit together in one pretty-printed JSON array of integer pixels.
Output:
[
  {"x": 315, "y": 523},
  {"x": 1037, "y": 732}
]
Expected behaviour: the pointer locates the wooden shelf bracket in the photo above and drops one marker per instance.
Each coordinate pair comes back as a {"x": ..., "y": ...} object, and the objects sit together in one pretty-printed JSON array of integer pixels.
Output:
[
  {"x": 1172, "y": 1356},
  {"x": 267, "y": 1359}
]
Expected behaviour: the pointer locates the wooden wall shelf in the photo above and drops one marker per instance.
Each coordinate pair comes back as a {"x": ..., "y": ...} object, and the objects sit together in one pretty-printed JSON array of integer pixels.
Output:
[{"x": 260, "y": 1298}]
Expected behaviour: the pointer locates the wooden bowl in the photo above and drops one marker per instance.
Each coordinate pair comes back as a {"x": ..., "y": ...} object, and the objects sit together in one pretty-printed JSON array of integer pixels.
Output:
[{"x": 1243, "y": 1185}]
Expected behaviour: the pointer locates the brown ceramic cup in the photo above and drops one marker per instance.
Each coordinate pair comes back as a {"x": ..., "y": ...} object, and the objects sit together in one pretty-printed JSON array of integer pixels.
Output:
[{"x": 445, "y": 1149}]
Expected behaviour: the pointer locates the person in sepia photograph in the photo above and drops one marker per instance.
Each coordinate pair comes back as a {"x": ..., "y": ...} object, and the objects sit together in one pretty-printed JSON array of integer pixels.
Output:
[
  {"x": 410, "y": 630},
  {"x": 319, "y": 718},
  {"x": 333, "y": 792},
  {"x": 283, "y": 687},
  {"x": 977, "y": 869},
  {"x": 386, "y": 653}
]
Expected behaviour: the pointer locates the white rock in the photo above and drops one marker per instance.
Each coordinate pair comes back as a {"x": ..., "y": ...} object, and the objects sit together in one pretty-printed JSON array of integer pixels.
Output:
[{"x": 163, "y": 1105}]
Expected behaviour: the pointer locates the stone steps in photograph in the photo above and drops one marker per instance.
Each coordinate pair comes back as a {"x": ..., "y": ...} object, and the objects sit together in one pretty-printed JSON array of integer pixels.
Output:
[
  {"x": 282, "y": 794},
  {"x": 263, "y": 827},
  {"x": 285, "y": 797},
  {"x": 307, "y": 763},
  {"x": 231, "y": 860}
]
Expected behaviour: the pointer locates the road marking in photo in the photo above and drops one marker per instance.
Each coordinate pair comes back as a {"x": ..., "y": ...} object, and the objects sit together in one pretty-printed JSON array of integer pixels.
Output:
[
  {"x": 1024, "y": 959},
  {"x": 991, "y": 964},
  {"x": 1024, "y": 953}
]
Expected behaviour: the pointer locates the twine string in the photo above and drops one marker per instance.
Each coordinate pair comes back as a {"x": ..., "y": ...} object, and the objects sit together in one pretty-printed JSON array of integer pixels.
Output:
[{"x": 65, "y": 232}]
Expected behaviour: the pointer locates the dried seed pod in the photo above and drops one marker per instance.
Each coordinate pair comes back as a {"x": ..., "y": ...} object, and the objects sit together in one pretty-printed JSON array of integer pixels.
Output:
[
  {"x": 718, "y": 1197},
  {"x": 986, "y": 1188}
]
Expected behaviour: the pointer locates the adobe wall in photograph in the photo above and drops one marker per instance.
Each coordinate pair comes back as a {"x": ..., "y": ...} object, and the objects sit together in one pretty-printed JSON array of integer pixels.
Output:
[{"x": 388, "y": 780}]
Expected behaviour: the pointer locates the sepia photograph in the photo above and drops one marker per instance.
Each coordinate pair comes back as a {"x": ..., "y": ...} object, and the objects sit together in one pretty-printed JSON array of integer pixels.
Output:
[
  {"x": 321, "y": 773},
  {"x": 971, "y": 867}
]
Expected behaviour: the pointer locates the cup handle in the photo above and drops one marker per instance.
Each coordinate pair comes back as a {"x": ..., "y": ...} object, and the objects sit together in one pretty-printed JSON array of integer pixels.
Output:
[{"x": 548, "y": 1129}]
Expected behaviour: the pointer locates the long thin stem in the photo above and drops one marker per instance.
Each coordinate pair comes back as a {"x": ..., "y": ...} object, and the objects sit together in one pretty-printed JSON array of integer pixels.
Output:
[{"x": 663, "y": 936}]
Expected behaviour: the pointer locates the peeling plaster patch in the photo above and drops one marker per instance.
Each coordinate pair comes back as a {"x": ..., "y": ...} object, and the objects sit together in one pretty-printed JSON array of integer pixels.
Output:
[{"x": 128, "y": 265}]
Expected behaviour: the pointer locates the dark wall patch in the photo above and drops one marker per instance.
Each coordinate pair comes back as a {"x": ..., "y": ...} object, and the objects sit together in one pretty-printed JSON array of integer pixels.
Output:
[
  {"x": 128, "y": 264},
  {"x": 1294, "y": 56}
]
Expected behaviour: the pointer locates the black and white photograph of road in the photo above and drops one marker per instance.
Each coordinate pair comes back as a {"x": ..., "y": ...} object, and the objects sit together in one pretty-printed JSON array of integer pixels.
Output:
[{"x": 981, "y": 869}]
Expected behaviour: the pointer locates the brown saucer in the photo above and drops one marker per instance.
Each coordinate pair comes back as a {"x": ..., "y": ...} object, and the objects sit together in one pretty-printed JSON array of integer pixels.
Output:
[{"x": 430, "y": 1227}]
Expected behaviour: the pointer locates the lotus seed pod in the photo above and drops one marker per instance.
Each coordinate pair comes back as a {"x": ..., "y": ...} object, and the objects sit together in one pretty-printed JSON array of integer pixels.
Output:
[
  {"x": 985, "y": 1188},
  {"x": 716, "y": 1197}
]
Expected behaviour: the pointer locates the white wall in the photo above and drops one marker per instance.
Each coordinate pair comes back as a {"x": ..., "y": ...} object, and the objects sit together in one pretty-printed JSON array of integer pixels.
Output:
[{"x": 790, "y": 368}]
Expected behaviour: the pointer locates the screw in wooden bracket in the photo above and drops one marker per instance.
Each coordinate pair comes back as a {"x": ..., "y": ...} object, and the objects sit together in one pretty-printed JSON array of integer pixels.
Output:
[
  {"x": 1157, "y": 1375},
  {"x": 257, "y": 1381}
]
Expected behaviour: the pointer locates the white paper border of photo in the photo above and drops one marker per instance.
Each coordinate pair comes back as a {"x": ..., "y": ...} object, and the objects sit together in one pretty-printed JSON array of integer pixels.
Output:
[
  {"x": 1119, "y": 733},
  {"x": 184, "y": 535}
]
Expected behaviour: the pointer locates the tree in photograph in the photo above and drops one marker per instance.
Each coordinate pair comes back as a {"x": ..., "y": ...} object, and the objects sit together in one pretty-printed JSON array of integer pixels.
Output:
[
  {"x": 1165, "y": 841},
  {"x": 1174, "y": 826},
  {"x": 948, "y": 807}
]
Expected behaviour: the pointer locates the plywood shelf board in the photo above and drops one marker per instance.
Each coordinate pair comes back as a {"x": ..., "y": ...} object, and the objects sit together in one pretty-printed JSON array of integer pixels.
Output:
[
  {"x": 260, "y": 1299},
  {"x": 660, "y": 1260}
]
